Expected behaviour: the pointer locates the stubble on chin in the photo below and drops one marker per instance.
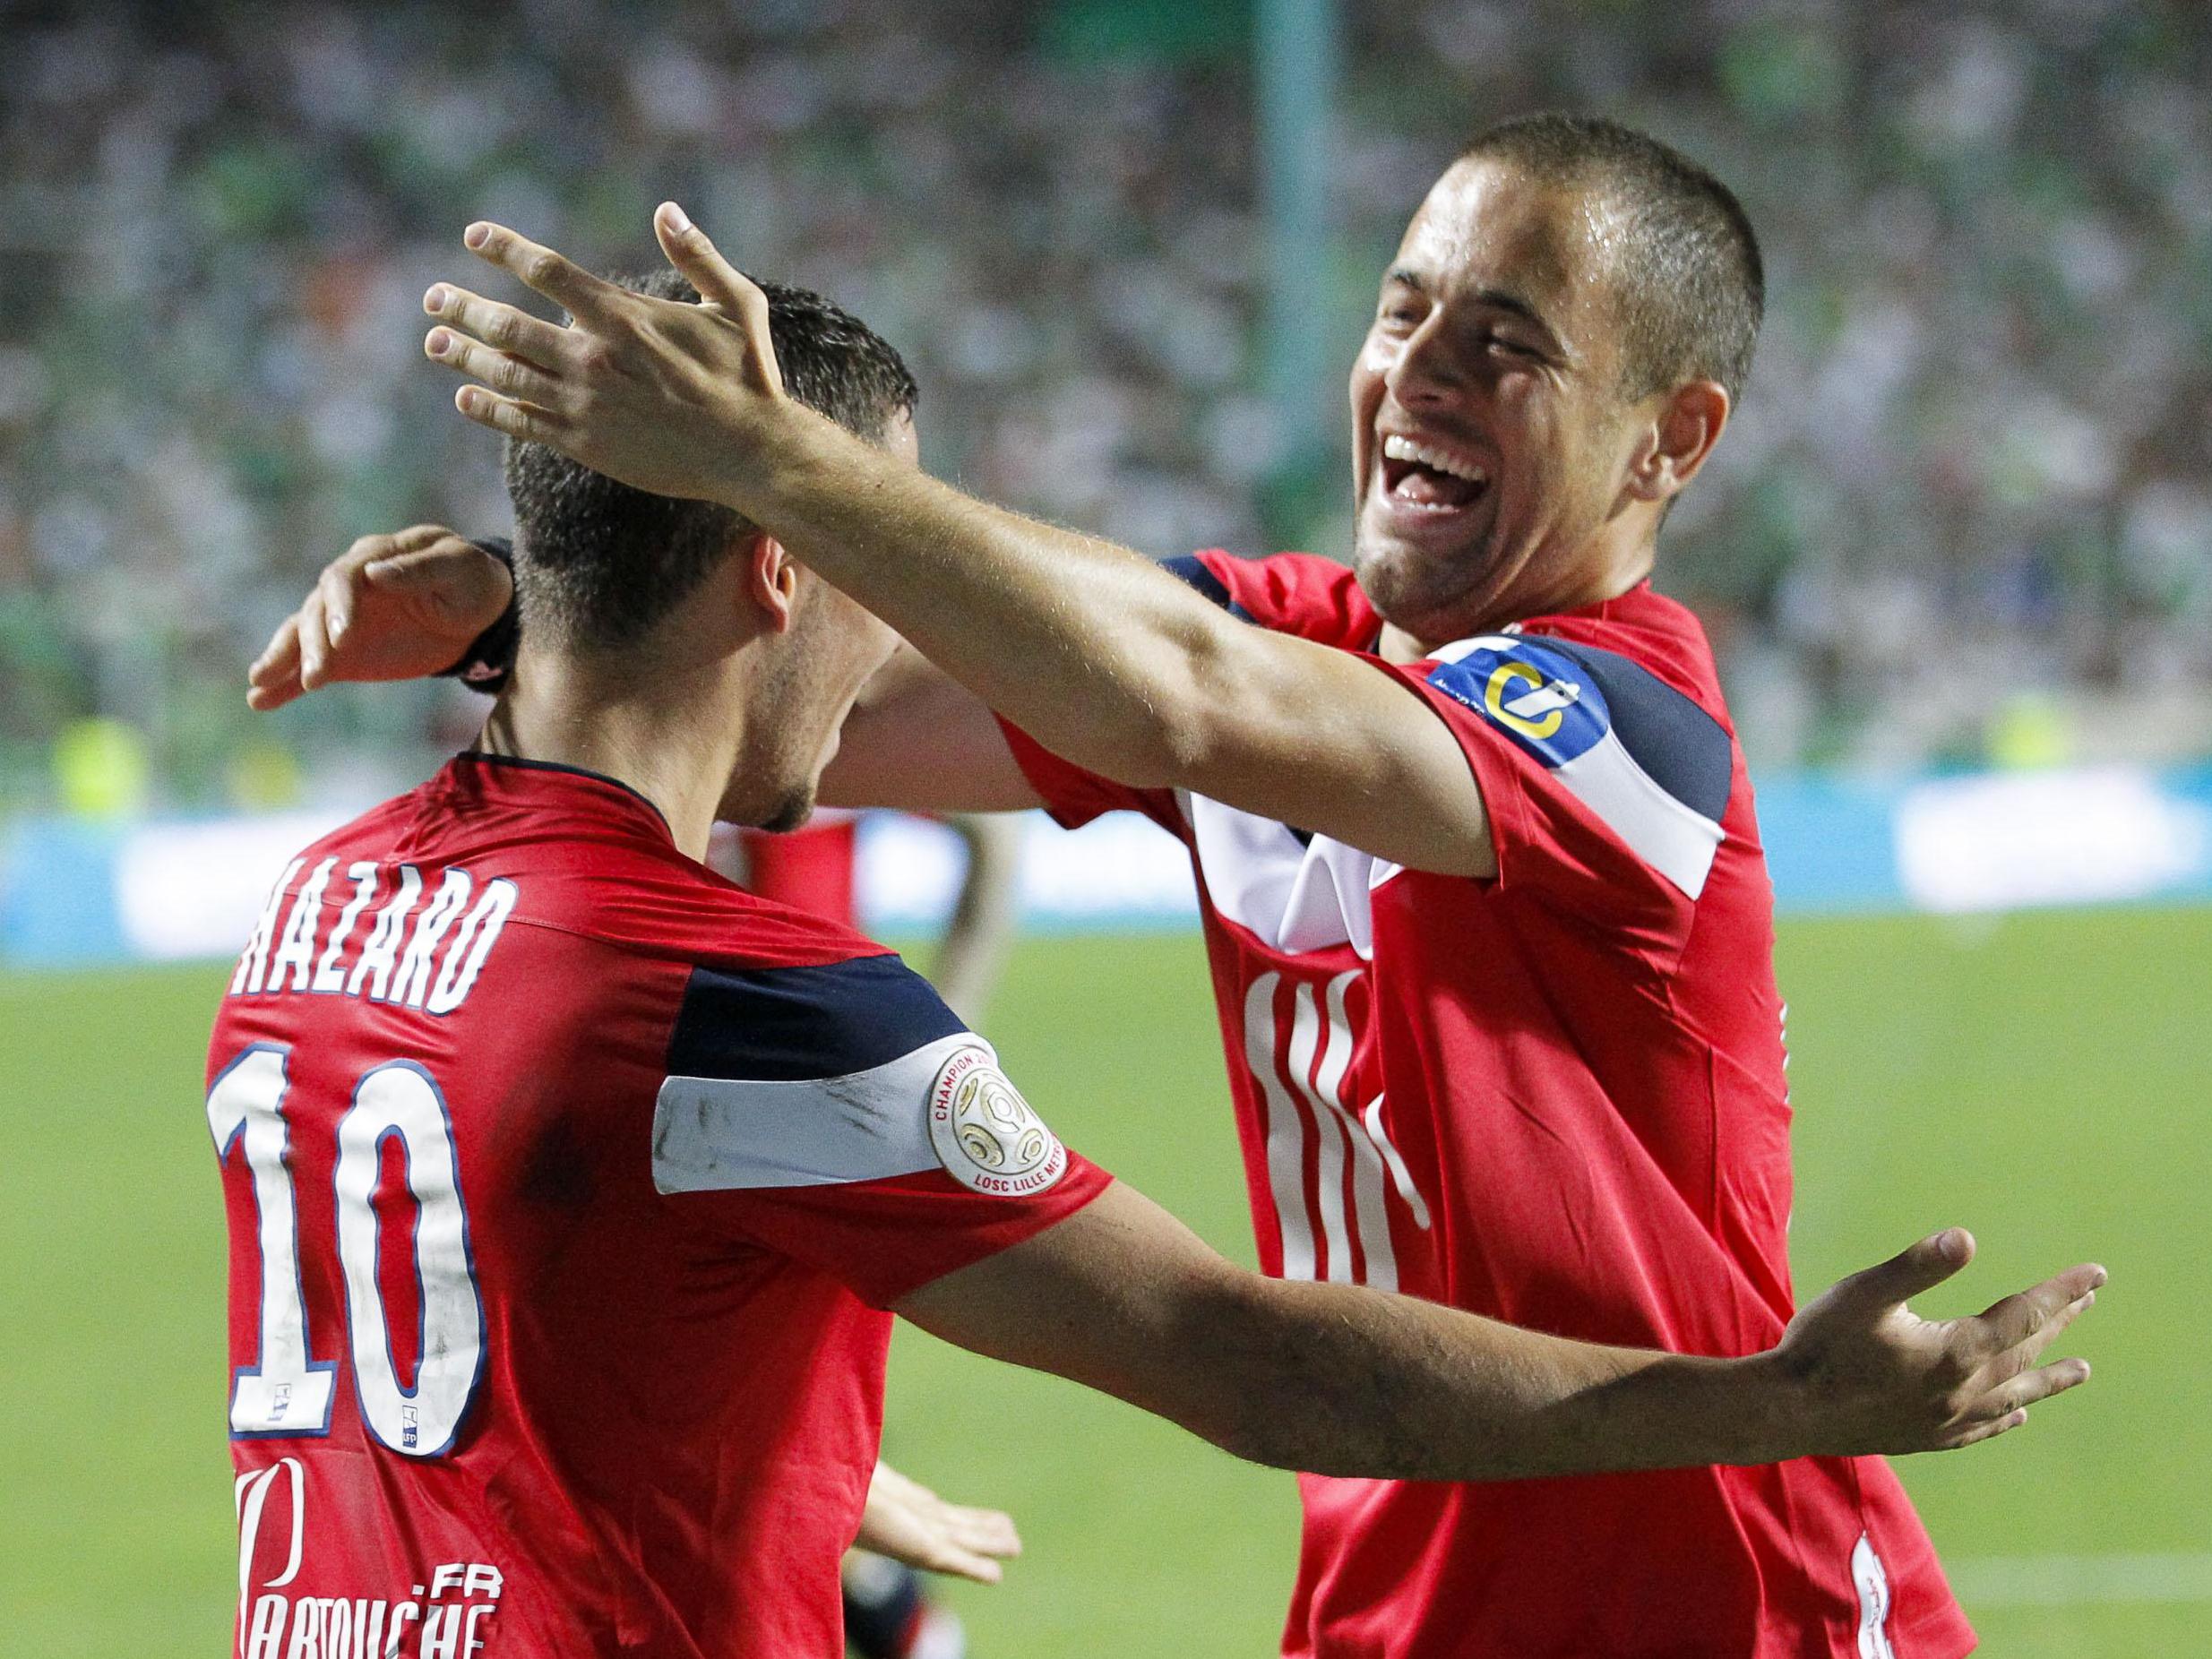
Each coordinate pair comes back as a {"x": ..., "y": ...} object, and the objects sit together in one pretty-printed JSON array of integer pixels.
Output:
[
  {"x": 1401, "y": 590},
  {"x": 791, "y": 813}
]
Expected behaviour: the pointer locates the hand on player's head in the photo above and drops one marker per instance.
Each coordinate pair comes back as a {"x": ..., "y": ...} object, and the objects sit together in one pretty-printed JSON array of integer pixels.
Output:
[
  {"x": 389, "y": 607},
  {"x": 1877, "y": 1377},
  {"x": 661, "y": 395}
]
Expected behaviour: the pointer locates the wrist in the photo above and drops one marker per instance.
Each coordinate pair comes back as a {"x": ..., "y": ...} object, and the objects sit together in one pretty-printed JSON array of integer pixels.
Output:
[
  {"x": 775, "y": 450},
  {"x": 1766, "y": 1410}
]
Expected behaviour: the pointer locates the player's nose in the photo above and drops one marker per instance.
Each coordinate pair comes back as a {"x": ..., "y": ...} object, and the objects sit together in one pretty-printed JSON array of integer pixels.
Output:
[{"x": 1428, "y": 370}]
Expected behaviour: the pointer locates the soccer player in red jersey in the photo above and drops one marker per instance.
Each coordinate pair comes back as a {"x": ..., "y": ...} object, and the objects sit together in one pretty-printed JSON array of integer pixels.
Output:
[{"x": 1487, "y": 913}]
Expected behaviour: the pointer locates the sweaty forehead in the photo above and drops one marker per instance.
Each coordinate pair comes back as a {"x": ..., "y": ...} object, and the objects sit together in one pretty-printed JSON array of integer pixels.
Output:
[{"x": 1491, "y": 225}]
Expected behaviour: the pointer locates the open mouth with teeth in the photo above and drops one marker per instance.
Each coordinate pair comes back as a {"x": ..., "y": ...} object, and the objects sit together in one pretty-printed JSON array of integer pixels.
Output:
[{"x": 1422, "y": 476}]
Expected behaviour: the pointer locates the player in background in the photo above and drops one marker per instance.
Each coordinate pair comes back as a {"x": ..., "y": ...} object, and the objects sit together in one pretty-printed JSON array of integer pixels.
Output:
[
  {"x": 1489, "y": 918},
  {"x": 569, "y": 1184}
]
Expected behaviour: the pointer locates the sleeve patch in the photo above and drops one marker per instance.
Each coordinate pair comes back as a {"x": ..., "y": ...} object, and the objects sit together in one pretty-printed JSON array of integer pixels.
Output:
[
  {"x": 791, "y": 1024},
  {"x": 987, "y": 1138},
  {"x": 1644, "y": 758},
  {"x": 1534, "y": 694}
]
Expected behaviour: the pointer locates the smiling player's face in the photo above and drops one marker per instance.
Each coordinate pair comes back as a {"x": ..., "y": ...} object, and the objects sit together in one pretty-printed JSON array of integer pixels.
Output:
[{"x": 1489, "y": 430}]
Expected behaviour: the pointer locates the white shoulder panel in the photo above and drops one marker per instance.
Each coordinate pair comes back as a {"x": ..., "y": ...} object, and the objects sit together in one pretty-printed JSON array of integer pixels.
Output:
[
  {"x": 1298, "y": 896},
  {"x": 718, "y": 1134}
]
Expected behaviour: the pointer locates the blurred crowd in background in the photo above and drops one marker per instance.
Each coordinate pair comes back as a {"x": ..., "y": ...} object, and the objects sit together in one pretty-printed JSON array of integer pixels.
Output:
[{"x": 1964, "y": 513}]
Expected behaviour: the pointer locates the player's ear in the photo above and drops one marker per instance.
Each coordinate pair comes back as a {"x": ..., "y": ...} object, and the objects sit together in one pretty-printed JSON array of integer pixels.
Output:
[
  {"x": 1685, "y": 425},
  {"x": 771, "y": 579}
]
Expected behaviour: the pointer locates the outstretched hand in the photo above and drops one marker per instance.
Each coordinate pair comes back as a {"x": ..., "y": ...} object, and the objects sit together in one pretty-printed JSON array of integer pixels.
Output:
[
  {"x": 1877, "y": 1377},
  {"x": 389, "y": 607},
  {"x": 908, "y": 1522},
  {"x": 675, "y": 399}
]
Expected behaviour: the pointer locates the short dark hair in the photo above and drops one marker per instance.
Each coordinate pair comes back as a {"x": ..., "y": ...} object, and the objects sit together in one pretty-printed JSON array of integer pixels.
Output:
[
  {"x": 1687, "y": 277},
  {"x": 599, "y": 563}
]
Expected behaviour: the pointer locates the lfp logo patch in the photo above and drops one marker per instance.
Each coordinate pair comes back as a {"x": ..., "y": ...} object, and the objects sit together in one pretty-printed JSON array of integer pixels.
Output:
[
  {"x": 988, "y": 1137},
  {"x": 1539, "y": 697}
]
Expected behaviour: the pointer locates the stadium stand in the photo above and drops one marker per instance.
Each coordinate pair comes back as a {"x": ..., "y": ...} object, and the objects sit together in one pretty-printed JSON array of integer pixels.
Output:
[{"x": 1964, "y": 513}]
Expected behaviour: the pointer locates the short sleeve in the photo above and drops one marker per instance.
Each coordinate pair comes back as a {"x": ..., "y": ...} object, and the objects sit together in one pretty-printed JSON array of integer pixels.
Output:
[
  {"x": 1074, "y": 796},
  {"x": 1605, "y": 786},
  {"x": 842, "y": 1115},
  {"x": 1289, "y": 593}
]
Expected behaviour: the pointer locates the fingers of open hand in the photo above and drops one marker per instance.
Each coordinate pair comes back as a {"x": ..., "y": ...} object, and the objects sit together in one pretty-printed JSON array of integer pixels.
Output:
[
  {"x": 337, "y": 588},
  {"x": 2003, "y": 1408},
  {"x": 972, "y": 1542},
  {"x": 1918, "y": 1268},
  {"x": 574, "y": 289},
  {"x": 503, "y": 328},
  {"x": 692, "y": 252},
  {"x": 2031, "y": 1386},
  {"x": 961, "y": 1563},
  {"x": 2032, "y": 1319},
  {"x": 530, "y": 422},
  {"x": 986, "y": 1531},
  {"x": 314, "y": 639},
  {"x": 367, "y": 549},
  {"x": 273, "y": 679},
  {"x": 721, "y": 286},
  {"x": 499, "y": 370},
  {"x": 1972, "y": 1433}
]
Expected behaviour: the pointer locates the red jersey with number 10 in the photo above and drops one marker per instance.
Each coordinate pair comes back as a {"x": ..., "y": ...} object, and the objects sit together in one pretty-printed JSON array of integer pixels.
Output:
[
  {"x": 566, "y": 1183},
  {"x": 1555, "y": 1098}
]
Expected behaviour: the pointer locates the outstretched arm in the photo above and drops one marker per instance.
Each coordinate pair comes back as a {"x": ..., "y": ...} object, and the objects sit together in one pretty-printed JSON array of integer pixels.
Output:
[
  {"x": 1103, "y": 657},
  {"x": 412, "y": 604},
  {"x": 1340, "y": 1379}
]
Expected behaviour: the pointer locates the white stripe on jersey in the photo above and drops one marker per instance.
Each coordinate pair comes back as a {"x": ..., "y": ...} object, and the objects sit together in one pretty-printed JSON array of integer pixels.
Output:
[
  {"x": 1329, "y": 1175},
  {"x": 1369, "y": 1212},
  {"x": 719, "y": 1134},
  {"x": 1285, "y": 1142},
  {"x": 1676, "y": 841},
  {"x": 1315, "y": 1066}
]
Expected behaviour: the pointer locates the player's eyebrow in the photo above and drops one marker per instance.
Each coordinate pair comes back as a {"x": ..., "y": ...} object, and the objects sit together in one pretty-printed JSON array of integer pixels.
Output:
[{"x": 1497, "y": 298}]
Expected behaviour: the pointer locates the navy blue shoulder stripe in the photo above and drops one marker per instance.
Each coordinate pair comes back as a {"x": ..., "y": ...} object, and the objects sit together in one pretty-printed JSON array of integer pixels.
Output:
[
  {"x": 1192, "y": 570},
  {"x": 794, "y": 1024},
  {"x": 1684, "y": 749}
]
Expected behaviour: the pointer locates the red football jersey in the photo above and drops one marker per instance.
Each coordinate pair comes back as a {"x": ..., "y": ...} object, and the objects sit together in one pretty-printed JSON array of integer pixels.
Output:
[
  {"x": 1556, "y": 1098},
  {"x": 566, "y": 1182}
]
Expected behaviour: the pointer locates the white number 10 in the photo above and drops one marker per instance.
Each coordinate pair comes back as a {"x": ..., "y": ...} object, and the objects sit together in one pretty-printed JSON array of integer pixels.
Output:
[{"x": 289, "y": 1392}]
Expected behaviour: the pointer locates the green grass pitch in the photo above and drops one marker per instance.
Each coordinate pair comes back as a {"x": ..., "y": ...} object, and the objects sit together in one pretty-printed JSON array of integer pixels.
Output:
[{"x": 2043, "y": 1079}]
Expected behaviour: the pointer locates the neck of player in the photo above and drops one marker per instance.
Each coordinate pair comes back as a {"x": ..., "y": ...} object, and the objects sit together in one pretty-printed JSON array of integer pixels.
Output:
[
  {"x": 1603, "y": 569},
  {"x": 673, "y": 735}
]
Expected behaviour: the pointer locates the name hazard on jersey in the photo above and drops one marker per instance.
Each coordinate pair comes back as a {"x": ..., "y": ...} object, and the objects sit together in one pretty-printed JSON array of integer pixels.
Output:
[{"x": 422, "y": 947}]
